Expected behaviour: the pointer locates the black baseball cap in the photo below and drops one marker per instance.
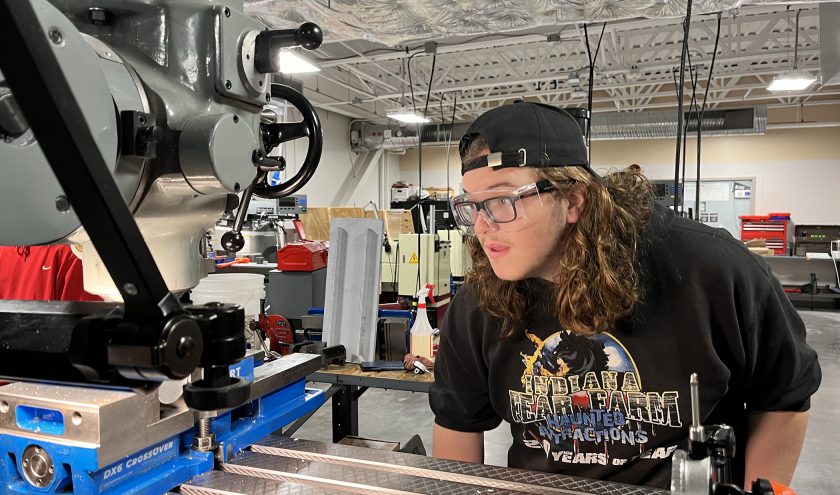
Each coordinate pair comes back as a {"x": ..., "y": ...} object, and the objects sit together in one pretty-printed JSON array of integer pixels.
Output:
[{"x": 526, "y": 134}]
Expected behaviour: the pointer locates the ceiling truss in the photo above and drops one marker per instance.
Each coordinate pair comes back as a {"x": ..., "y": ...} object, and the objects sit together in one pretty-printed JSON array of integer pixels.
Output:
[{"x": 635, "y": 68}]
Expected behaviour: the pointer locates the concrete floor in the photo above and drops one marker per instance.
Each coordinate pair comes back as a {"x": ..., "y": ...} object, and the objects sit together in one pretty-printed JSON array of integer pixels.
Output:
[{"x": 395, "y": 416}]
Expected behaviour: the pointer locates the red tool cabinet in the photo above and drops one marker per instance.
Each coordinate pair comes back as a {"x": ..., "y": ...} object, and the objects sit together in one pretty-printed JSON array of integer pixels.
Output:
[{"x": 774, "y": 227}]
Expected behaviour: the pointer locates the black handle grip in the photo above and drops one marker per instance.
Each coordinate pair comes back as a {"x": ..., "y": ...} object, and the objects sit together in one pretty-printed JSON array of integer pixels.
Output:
[{"x": 268, "y": 44}]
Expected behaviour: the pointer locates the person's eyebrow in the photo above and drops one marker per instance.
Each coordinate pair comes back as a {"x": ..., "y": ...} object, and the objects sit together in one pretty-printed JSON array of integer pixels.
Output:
[{"x": 501, "y": 184}]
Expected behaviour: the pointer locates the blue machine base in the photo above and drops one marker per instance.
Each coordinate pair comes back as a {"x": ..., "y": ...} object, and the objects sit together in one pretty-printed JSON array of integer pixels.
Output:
[{"x": 164, "y": 465}]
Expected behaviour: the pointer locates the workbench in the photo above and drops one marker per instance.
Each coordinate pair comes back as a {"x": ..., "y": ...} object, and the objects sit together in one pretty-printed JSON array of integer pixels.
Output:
[{"x": 348, "y": 382}]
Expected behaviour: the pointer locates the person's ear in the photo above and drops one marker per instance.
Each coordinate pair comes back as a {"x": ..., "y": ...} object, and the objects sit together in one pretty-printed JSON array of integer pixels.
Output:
[{"x": 577, "y": 201}]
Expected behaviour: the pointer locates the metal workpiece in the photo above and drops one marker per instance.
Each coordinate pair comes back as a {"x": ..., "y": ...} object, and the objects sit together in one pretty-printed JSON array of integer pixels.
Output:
[
  {"x": 115, "y": 423},
  {"x": 476, "y": 475},
  {"x": 352, "y": 296},
  {"x": 224, "y": 483},
  {"x": 281, "y": 372}
]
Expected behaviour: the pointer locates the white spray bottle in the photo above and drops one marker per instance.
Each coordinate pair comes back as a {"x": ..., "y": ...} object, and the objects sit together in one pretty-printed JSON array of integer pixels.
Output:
[{"x": 422, "y": 333}]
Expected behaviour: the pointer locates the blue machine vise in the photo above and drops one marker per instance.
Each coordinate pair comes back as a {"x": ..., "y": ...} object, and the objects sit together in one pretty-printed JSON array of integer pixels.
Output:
[{"x": 63, "y": 439}]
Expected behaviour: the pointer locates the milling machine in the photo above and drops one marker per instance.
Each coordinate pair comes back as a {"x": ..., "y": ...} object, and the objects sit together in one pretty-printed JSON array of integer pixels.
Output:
[{"x": 127, "y": 126}]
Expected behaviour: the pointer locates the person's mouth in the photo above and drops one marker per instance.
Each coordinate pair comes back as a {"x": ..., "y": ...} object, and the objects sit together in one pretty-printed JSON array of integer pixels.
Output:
[{"x": 496, "y": 250}]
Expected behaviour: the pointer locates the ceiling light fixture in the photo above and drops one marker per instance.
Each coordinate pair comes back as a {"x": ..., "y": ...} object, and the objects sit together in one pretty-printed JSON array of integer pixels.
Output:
[
  {"x": 292, "y": 63},
  {"x": 574, "y": 78},
  {"x": 794, "y": 79},
  {"x": 406, "y": 116}
]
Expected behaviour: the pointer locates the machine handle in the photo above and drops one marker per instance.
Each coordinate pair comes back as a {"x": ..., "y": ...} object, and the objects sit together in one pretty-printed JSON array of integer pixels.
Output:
[
  {"x": 268, "y": 44},
  {"x": 274, "y": 134}
]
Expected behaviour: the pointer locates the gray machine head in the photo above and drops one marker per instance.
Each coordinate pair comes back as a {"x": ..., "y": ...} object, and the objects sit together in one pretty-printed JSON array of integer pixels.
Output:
[{"x": 172, "y": 96}]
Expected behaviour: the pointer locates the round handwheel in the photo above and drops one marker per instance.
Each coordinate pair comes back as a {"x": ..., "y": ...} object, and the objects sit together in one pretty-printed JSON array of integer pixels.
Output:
[{"x": 275, "y": 134}]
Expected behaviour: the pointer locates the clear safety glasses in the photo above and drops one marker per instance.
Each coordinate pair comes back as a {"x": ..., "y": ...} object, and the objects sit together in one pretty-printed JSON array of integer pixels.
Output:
[{"x": 502, "y": 207}]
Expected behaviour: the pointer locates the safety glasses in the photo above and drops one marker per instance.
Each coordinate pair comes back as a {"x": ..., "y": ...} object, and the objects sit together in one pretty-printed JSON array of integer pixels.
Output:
[{"x": 502, "y": 207}]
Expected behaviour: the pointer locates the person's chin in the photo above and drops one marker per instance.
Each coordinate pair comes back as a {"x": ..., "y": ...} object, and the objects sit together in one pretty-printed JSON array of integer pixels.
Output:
[{"x": 507, "y": 273}]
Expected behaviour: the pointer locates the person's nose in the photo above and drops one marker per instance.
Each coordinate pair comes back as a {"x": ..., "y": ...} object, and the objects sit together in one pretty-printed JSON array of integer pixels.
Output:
[{"x": 483, "y": 224}]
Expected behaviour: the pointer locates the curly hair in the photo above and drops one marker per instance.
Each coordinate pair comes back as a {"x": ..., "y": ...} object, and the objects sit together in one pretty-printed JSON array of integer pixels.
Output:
[{"x": 599, "y": 280}]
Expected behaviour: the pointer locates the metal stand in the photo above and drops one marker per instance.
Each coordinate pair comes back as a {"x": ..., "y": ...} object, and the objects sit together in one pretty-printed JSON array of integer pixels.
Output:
[{"x": 345, "y": 411}]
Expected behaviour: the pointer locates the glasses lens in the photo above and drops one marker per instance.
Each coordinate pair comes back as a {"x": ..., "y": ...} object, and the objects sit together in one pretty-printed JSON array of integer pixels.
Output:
[
  {"x": 502, "y": 210},
  {"x": 465, "y": 213}
]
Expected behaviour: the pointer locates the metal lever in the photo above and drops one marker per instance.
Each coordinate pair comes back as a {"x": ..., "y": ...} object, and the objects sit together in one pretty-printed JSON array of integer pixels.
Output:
[
  {"x": 268, "y": 44},
  {"x": 695, "y": 432},
  {"x": 715, "y": 442},
  {"x": 233, "y": 241}
]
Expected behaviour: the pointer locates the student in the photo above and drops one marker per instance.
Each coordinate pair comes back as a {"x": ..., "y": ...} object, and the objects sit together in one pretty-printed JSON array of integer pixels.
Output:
[
  {"x": 45, "y": 273},
  {"x": 587, "y": 310}
]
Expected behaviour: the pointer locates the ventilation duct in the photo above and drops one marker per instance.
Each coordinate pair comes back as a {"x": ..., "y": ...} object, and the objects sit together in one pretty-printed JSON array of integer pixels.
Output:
[
  {"x": 367, "y": 136},
  {"x": 663, "y": 124}
]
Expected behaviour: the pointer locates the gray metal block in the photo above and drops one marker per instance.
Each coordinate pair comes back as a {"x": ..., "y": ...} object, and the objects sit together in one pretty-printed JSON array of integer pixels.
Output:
[{"x": 352, "y": 299}]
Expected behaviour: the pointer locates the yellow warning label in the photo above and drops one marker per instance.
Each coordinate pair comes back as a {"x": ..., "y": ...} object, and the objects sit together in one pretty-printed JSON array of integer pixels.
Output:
[{"x": 414, "y": 259}]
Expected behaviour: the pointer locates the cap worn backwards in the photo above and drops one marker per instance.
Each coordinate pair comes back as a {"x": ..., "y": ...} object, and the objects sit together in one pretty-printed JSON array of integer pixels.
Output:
[{"x": 525, "y": 134}]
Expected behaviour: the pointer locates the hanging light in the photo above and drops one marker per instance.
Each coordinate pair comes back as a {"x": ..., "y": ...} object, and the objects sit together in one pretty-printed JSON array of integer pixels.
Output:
[
  {"x": 406, "y": 116},
  {"x": 403, "y": 113},
  {"x": 794, "y": 79},
  {"x": 574, "y": 78}
]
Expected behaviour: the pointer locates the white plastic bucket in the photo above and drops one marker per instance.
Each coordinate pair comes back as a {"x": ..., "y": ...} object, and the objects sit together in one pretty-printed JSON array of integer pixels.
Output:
[{"x": 244, "y": 289}]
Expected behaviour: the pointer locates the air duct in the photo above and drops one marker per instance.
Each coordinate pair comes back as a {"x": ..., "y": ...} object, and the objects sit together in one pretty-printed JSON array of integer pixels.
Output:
[
  {"x": 367, "y": 136},
  {"x": 663, "y": 124}
]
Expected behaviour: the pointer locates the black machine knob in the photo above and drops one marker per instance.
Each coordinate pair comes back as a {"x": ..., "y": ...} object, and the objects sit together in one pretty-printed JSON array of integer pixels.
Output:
[
  {"x": 233, "y": 241},
  {"x": 203, "y": 396},
  {"x": 268, "y": 44},
  {"x": 310, "y": 36},
  {"x": 223, "y": 330}
]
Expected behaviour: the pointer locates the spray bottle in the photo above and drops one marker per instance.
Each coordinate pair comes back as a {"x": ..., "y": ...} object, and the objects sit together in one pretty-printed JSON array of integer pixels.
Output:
[{"x": 421, "y": 331}]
